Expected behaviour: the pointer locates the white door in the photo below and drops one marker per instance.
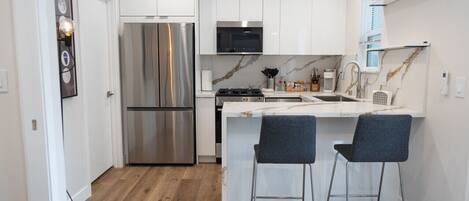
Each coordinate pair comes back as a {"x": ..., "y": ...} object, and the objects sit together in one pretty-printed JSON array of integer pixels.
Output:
[
  {"x": 94, "y": 49},
  {"x": 176, "y": 8},
  {"x": 138, "y": 7}
]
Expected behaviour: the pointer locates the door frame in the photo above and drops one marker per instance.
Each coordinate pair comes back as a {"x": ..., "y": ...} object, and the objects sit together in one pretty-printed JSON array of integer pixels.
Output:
[
  {"x": 40, "y": 99},
  {"x": 114, "y": 84}
]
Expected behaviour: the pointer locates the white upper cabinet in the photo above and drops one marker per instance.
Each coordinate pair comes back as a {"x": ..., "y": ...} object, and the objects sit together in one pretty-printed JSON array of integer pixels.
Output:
[
  {"x": 328, "y": 27},
  {"x": 208, "y": 27},
  {"x": 138, "y": 8},
  {"x": 250, "y": 10},
  {"x": 227, "y": 10},
  {"x": 176, "y": 7},
  {"x": 239, "y": 10},
  {"x": 271, "y": 27},
  {"x": 295, "y": 27},
  {"x": 168, "y": 8},
  {"x": 291, "y": 27}
]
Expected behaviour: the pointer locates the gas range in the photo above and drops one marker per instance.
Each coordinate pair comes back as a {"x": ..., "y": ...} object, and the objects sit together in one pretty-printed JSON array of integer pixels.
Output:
[
  {"x": 231, "y": 95},
  {"x": 238, "y": 95}
]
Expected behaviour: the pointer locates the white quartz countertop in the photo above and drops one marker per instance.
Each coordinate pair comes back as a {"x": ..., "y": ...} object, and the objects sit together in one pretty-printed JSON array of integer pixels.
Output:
[{"x": 318, "y": 109}]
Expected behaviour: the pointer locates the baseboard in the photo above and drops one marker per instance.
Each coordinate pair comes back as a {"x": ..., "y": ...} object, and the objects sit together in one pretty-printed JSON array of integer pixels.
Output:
[
  {"x": 83, "y": 194},
  {"x": 207, "y": 159}
]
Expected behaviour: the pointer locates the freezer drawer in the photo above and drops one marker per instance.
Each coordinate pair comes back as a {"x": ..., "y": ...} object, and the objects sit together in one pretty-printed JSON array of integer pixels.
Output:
[{"x": 160, "y": 137}]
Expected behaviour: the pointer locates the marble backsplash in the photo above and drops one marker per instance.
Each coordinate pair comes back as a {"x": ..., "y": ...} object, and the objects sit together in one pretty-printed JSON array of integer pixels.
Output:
[
  {"x": 245, "y": 71},
  {"x": 402, "y": 72}
]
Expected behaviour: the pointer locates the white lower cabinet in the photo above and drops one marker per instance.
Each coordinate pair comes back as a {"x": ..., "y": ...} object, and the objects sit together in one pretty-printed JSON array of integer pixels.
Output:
[{"x": 205, "y": 125}]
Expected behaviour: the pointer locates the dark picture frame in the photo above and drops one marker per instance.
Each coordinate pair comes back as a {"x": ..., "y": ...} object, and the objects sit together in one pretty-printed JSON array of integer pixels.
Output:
[{"x": 66, "y": 51}]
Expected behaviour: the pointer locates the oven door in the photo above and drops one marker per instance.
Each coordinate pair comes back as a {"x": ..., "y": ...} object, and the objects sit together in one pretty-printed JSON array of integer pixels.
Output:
[
  {"x": 233, "y": 38},
  {"x": 218, "y": 111}
]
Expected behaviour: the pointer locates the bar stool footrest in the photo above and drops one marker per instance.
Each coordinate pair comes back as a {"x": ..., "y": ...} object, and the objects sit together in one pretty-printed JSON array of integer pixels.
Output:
[
  {"x": 279, "y": 197},
  {"x": 354, "y": 196}
]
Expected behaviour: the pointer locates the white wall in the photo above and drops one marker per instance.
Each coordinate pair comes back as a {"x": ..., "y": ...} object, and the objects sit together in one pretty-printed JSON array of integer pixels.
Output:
[
  {"x": 437, "y": 168},
  {"x": 12, "y": 167}
]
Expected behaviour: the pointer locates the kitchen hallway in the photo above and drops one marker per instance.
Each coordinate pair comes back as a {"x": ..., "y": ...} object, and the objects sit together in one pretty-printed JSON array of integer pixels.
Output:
[{"x": 159, "y": 183}]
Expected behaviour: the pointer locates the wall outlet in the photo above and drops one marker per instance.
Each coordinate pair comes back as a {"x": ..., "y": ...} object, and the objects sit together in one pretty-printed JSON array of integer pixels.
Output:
[
  {"x": 3, "y": 81},
  {"x": 460, "y": 87}
]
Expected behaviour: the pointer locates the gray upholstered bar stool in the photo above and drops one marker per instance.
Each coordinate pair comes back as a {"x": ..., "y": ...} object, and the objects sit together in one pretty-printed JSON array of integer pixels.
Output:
[
  {"x": 378, "y": 138},
  {"x": 286, "y": 140}
]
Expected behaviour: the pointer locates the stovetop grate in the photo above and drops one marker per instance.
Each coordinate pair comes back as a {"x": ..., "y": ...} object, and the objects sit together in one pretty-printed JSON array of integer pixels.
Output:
[{"x": 239, "y": 92}]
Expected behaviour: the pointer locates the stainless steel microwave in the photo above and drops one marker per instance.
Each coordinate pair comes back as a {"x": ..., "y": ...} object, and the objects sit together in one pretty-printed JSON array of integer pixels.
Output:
[{"x": 239, "y": 37}]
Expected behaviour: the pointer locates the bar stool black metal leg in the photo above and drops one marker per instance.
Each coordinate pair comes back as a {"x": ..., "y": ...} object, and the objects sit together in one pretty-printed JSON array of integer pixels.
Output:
[
  {"x": 381, "y": 182},
  {"x": 311, "y": 178},
  {"x": 254, "y": 180},
  {"x": 400, "y": 181},
  {"x": 304, "y": 178},
  {"x": 332, "y": 177},
  {"x": 346, "y": 181}
]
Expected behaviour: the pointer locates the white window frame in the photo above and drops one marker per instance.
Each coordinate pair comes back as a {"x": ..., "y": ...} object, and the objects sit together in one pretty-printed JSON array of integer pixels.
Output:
[{"x": 366, "y": 20}]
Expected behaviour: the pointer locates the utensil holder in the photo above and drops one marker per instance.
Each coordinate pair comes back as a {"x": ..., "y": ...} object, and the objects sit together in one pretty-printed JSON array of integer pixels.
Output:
[{"x": 271, "y": 83}]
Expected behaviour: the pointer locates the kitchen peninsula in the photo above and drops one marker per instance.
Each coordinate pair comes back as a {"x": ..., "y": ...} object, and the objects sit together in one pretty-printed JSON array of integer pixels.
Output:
[{"x": 336, "y": 121}]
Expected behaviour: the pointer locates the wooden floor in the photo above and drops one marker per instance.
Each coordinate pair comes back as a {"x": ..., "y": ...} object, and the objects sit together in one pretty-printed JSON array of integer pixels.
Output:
[{"x": 142, "y": 183}]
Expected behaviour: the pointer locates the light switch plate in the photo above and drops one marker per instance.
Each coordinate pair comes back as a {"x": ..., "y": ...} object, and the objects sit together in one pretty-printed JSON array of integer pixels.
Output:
[
  {"x": 3, "y": 81},
  {"x": 460, "y": 87},
  {"x": 444, "y": 86}
]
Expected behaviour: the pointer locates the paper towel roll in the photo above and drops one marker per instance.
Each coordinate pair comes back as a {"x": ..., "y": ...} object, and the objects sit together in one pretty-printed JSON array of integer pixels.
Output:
[{"x": 206, "y": 80}]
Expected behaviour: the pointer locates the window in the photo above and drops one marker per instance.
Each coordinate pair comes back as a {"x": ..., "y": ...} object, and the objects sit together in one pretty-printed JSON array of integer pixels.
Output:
[{"x": 372, "y": 26}]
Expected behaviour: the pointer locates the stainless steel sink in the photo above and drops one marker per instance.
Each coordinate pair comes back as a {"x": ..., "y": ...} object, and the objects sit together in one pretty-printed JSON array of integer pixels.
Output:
[{"x": 336, "y": 98}]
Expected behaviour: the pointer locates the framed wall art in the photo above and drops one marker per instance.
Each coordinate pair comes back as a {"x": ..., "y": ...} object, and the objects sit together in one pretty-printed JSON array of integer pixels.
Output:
[{"x": 66, "y": 48}]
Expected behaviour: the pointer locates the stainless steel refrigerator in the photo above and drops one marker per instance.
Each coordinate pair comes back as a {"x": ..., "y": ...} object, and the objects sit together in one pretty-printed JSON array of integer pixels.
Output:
[{"x": 157, "y": 75}]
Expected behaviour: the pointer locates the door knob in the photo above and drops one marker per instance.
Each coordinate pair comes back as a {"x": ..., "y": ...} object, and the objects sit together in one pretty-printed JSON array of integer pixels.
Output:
[{"x": 109, "y": 94}]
